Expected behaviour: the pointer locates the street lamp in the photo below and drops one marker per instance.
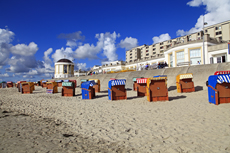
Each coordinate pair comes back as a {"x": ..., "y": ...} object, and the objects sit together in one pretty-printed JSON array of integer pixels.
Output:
[{"x": 204, "y": 23}]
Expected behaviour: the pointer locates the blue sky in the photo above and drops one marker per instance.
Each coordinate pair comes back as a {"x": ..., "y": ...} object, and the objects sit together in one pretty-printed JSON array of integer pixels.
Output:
[{"x": 35, "y": 34}]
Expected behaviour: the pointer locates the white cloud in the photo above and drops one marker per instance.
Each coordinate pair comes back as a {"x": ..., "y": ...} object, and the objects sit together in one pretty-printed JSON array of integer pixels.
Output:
[
  {"x": 81, "y": 66},
  {"x": 216, "y": 12},
  {"x": 106, "y": 42},
  {"x": 6, "y": 37},
  {"x": 109, "y": 49},
  {"x": 161, "y": 38},
  {"x": 4, "y": 75},
  {"x": 129, "y": 43},
  {"x": 46, "y": 58},
  {"x": 32, "y": 72},
  {"x": 24, "y": 50},
  {"x": 88, "y": 51},
  {"x": 63, "y": 53}
]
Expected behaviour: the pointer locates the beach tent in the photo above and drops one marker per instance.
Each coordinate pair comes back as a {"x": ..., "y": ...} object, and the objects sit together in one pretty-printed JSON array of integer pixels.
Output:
[
  {"x": 75, "y": 83},
  {"x": 219, "y": 89},
  {"x": 141, "y": 87},
  {"x": 135, "y": 83},
  {"x": 51, "y": 87},
  {"x": 59, "y": 83},
  {"x": 97, "y": 85},
  {"x": 184, "y": 83},
  {"x": 44, "y": 84},
  {"x": 221, "y": 72},
  {"x": 3, "y": 84},
  {"x": 88, "y": 92},
  {"x": 116, "y": 89},
  {"x": 83, "y": 80},
  {"x": 68, "y": 89},
  {"x": 26, "y": 88},
  {"x": 10, "y": 84},
  {"x": 157, "y": 89}
]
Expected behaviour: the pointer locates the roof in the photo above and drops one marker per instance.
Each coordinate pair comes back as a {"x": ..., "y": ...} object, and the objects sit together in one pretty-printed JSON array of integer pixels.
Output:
[
  {"x": 87, "y": 84},
  {"x": 64, "y": 60},
  {"x": 221, "y": 78}
]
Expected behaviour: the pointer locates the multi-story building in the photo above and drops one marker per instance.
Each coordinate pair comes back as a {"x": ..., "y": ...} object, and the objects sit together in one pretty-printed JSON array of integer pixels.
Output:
[
  {"x": 209, "y": 47},
  {"x": 189, "y": 48}
]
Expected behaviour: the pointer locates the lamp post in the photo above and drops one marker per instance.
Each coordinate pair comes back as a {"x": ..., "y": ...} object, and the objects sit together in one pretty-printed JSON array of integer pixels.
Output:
[{"x": 204, "y": 23}]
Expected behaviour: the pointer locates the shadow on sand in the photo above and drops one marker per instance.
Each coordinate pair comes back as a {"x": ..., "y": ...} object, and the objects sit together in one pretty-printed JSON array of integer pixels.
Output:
[{"x": 177, "y": 97}]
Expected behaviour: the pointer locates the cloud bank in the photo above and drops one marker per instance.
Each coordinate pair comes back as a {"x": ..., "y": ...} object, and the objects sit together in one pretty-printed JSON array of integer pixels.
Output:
[{"x": 216, "y": 12}]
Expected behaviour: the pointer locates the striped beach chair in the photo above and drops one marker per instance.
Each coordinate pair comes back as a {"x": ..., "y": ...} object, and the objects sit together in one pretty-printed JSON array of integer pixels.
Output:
[
  {"x": 116, "y": 89},
  {"x": 219, "y": 89}
]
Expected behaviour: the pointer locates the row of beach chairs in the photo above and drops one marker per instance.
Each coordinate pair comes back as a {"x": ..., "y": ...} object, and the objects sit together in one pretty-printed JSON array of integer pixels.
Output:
[{"x": 154, "y": 88}]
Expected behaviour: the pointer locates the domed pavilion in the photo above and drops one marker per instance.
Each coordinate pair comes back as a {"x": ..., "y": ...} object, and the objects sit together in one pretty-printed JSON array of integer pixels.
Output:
[{"x": 64, "y": 68}]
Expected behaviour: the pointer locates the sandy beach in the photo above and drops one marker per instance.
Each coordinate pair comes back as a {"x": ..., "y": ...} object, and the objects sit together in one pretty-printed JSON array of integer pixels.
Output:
[{"x": 41, "y": 122}]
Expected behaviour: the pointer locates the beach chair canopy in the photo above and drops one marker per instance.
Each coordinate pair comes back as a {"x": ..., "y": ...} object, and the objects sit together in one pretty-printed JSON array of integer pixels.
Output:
[
  {"x": 142, "y": 80},
  {"x": 66, "y": 80},
  {"x": 160, "y": 76},
  {"x": 88, "y": 84},
  {"x": 156, "y": 78},
  {"x": 116, "y": 82},
  {"x": 3, "y": 82},
  {"x": 44, "y": 81},
  {"x": 59, "y": 81},
  {"x": 95, "y": 80},
  {"x": 113, "y": 79},
  {"x": 67, "y": 84},
  {"x": 9, "y": 82},
  {"x": 222, "y": 72},
  {"x": 214, "y": 79},
  {"x": 84, "y": 80},
  {"x": 135, "y": 78}
]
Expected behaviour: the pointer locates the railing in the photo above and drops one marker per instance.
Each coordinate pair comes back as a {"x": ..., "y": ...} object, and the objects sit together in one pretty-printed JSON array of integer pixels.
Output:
[{"x": 184, "y": 63}]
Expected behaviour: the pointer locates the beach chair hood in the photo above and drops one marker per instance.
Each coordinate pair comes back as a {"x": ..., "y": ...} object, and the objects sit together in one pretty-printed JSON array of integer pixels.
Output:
[
  {"x": 135, "y": 78},
  {"x": 116, "y": 82},
  {"x": 142, "y": 80},
  {"x": 88, "y": 84},
  {"x": 214, "y": 79}
]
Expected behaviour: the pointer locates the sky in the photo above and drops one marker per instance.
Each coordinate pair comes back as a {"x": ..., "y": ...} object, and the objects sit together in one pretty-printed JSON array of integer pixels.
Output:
[{"x": 35, "y": 34}]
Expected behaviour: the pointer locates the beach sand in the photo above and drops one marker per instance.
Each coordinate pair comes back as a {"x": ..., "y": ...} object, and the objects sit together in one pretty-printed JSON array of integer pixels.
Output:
[{"x": 41, "y": 122}]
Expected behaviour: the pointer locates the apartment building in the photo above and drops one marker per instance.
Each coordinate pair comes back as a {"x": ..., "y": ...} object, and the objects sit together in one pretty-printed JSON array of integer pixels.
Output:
[{"x": 219, "y": 32}]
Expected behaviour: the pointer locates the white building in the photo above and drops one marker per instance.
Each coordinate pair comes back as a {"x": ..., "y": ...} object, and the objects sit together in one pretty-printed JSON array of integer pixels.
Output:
[{"x": 64, "y": 68}]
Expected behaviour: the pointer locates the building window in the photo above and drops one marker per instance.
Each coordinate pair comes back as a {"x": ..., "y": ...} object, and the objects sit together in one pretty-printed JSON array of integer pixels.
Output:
[
  {"x": 147, "y": 51},
  {"x": 147, "y": 54},
  {"x": 130, "y": 61},
  {"x": 169, "y": 41},
  {"x": 216, "y": 28},
  {"x": 147, "y": 47},
  {"x": 161, "y": 47},
  {"x": 218, "y": 33},
  {"x": 161, "y": 43},
  {"x": 198, "y": 34},
  {"x": 65, "y": 68},
  {"x": 154, "y": 49},
  {"x": 135, "y": 52},
  {"x": 154, "y": 45},
  {"x": 206, "y": 31},
  {"x": 218, "y": 59},
  {"x": 154, "y": 52},
  {"x": 220, "y": 38},
  {"x": 180, "y": 56},
  {"x": 195, "y": 56},
  {"x": 130, "y": 54},
  {"x": 131, "y": 57}
]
